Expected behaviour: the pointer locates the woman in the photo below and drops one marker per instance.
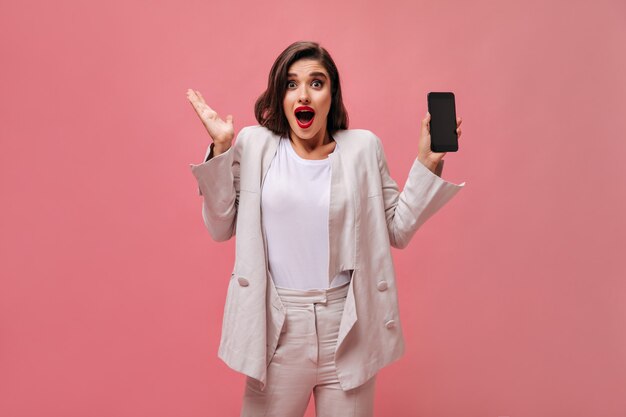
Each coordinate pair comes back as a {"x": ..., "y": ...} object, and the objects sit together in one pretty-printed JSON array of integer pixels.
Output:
[{"x": 312, "y": 301}]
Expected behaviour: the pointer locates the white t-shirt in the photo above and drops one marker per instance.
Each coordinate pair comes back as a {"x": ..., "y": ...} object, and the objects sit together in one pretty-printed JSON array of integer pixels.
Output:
[{"x": 295, "y": 201}]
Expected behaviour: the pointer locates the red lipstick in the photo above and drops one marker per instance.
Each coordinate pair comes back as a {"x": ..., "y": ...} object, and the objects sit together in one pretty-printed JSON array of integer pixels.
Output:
[{"x": 304, "y": 123}]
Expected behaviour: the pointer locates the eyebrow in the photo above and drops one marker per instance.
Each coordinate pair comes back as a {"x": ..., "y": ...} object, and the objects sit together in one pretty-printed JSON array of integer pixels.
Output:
[{"x": 311, "y": 74}]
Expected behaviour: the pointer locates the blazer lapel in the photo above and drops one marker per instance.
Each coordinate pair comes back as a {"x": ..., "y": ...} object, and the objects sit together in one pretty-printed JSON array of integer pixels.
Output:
[
  {"x": 268, "y": 154},
  {"x": 342, "y": 213}
]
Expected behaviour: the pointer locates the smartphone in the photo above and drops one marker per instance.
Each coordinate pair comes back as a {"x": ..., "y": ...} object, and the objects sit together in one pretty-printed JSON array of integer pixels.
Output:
[{"x": 443, "y": 137}]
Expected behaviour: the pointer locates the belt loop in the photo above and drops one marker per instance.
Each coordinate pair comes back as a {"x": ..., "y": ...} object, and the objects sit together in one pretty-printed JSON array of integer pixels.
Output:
[{"x": 323, "y": 301}]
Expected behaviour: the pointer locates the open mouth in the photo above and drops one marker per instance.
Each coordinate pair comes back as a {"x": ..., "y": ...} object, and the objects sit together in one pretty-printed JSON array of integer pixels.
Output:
[{"x": 305, "y": 117}]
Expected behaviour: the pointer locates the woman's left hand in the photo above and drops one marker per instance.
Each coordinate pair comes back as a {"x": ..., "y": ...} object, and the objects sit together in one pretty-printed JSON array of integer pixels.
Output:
[{"x": 427, "y": 157}]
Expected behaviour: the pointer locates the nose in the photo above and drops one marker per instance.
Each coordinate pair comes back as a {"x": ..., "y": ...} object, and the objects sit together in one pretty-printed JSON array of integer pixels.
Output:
[{"x": 304, "y": 96}]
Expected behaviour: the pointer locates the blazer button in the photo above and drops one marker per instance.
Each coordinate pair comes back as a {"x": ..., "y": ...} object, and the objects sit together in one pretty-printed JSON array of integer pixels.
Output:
[
  {"x": 382, "y": 285},
  {"x": 390, "y": 324},
  {"x": 243, "y": 282}
]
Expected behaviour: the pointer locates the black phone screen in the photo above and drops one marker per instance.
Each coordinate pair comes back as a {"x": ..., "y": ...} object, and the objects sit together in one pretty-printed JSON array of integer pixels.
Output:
[{"x": 443, "y": 137}]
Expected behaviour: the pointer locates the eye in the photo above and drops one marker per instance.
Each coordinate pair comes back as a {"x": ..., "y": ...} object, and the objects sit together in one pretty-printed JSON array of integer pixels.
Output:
[
  {"x": 288, "y": 83},
  {"x": 319, "y": 82}
]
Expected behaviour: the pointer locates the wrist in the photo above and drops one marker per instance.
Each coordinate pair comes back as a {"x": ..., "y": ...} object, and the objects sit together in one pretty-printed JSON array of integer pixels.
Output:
[
  {"x": 428, "y": 164},
  {"x": 218, "y": 149}
]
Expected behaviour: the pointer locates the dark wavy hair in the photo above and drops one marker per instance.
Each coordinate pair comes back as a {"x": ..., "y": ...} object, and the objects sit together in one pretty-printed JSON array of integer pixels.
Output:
[{"x": 268, "y": 108}]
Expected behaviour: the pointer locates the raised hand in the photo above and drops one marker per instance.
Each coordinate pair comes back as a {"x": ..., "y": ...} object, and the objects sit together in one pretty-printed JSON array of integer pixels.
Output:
[
  {"x": 221, "y": 132},
  {"x": 427, "y": 157}
]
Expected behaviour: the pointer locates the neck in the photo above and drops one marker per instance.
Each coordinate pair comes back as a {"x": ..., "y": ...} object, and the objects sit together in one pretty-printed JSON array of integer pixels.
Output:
[{"x": 310, "y": 145}]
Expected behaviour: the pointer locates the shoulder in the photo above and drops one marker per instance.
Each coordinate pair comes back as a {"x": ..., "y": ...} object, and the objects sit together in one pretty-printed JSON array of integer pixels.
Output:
[
  {"x": 257, "y": 130},
  {"x": 356, "y": 137},
  {"x": 359, "y": 141},
  {"x": 356, "y": 134},
  {"x": 254, "y": 135}
]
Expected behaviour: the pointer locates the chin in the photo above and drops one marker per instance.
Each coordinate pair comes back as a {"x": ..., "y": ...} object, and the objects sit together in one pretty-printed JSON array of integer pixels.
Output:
[{"x": 303, "y": 133}]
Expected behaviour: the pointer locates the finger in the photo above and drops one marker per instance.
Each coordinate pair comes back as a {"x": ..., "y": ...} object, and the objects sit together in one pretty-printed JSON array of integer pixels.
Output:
[
  {"x": 193, "y": 100},
  {"x": 196, "y": 104},
  {"x": 458, "y": 121},
  {"x": 203, "y": 101},
  {"x": 198, "y": 97},
  {"x": 229, "y": 119},
  {"x": 425, "y": 122},
  {"x": 201, "y": 108},
  {"x": 205, "y": 112},
  {"x": 201, "y": 98},
  {"x": 190, "y": 94},
  {"x": 193, "y": 97}
]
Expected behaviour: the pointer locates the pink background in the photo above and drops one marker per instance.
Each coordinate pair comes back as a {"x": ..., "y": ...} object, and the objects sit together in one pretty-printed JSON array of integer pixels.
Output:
[{"x": 513, "y": 297}]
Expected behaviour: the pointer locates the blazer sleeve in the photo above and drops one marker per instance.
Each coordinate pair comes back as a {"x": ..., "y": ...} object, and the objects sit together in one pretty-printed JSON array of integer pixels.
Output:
[
  {"x": 423, "y": 195},
  {"x": 218, "y": 184}
]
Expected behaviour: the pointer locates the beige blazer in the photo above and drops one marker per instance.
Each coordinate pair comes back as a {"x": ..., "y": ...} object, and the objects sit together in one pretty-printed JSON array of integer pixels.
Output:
[{"x": 368, "y": 214}]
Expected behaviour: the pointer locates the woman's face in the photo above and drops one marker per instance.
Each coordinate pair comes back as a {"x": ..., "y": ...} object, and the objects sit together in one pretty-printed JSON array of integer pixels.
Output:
[{"x": 308, "y": 85}]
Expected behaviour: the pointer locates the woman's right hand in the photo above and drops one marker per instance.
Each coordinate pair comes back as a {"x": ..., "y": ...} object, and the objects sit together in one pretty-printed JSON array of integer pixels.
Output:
[{"x": 221, "y": 132}]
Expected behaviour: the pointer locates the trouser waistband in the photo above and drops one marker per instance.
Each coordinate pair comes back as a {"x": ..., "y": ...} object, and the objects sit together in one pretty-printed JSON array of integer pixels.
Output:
[{"x": 314, "y": 295}]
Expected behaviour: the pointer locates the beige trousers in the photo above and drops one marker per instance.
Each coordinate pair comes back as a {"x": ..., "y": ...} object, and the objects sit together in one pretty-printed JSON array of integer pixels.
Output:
[{"x": 304, "y": 362}]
